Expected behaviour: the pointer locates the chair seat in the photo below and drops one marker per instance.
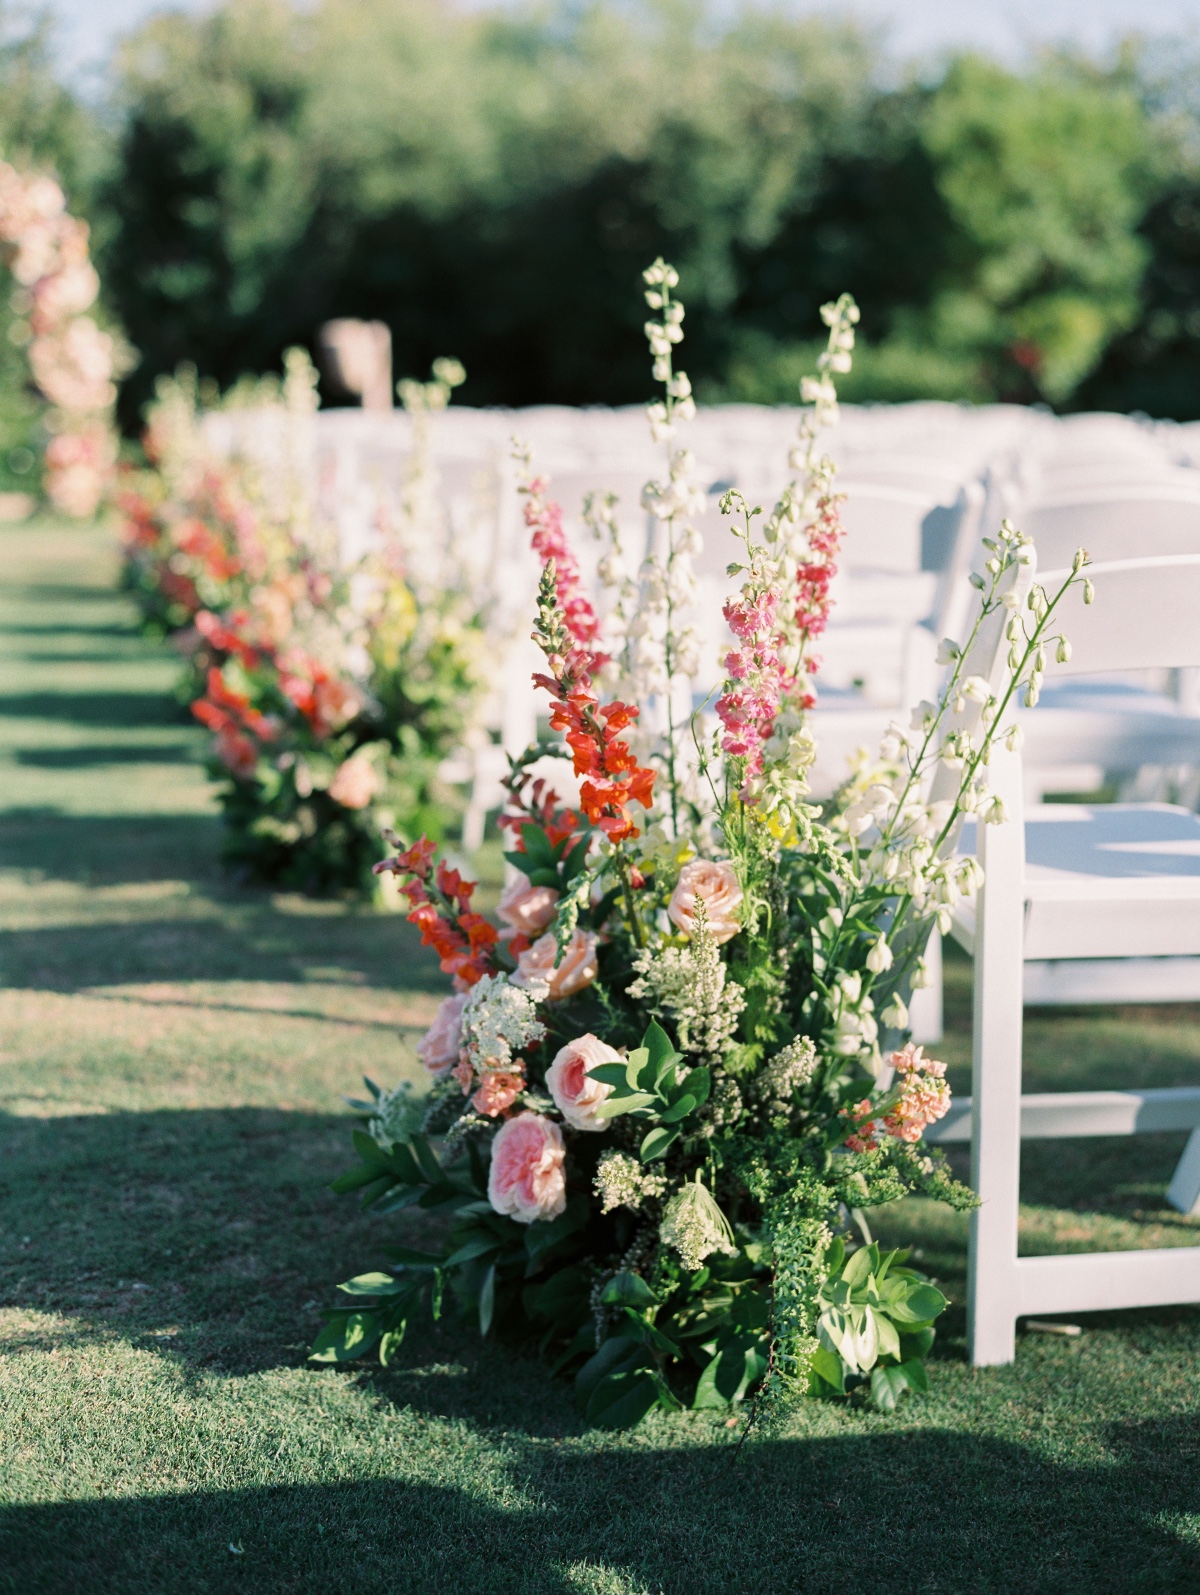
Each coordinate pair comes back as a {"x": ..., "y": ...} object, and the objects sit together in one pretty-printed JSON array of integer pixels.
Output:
[
  {"x": 1119, "y": 880},
  {"x": 1114, "y": 724}
]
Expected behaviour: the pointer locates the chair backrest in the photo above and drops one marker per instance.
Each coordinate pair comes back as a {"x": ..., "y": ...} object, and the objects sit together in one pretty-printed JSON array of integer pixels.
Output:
[
  {"x": 1135, "y": 522},
  {"x": 1146, "y": 616}
]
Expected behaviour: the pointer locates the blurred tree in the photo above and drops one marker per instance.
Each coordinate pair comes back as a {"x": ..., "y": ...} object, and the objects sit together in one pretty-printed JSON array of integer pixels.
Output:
[
  {"x": 42, "y": 126},
  {"x": 490, "y": 183}
]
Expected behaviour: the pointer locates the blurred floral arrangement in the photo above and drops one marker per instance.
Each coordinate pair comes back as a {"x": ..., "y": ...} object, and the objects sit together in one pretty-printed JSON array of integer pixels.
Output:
[
  {"x": 672, "y": 1078},
  {"x": 71, "y": 360},
  {"x": 333, "y": 693}
]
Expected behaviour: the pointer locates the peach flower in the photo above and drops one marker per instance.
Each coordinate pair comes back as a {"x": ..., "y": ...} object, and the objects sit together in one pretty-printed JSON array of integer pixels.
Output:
[
  {"x": 568, "y": 1079},
  {"x": 526, "y": 908},
  {"x": 526, "y": 1179},
  {"x": 438, "y": 1048},
  {"x": 536, "y": 972},
  {"x": 355, "y": 783},
  {"x": 498, "y": 1092},
  {"x": 717, "y": 886}
]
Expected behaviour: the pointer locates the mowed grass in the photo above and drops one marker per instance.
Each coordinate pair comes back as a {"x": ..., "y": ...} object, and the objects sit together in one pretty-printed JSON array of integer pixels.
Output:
[{"x": 173, "y": 1056}]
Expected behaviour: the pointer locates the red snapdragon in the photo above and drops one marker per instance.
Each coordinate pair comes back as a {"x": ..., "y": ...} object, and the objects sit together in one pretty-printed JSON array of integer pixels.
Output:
[{"x": 441, "y": 911}]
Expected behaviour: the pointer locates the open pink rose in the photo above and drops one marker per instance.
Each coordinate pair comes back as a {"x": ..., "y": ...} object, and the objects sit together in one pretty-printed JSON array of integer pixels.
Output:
[
  {"x": 355, "y": 783},
  {"x": 438, "y": 1048},
  {"x": 537, "y": 974},
  {"x": 717, "y": 886},
  {"x": 576, "y": 1095},
  {"x": 526, "y": 908},
  {"x": 498, "y": 1092},
  {"x": 526, "y": 1179}
]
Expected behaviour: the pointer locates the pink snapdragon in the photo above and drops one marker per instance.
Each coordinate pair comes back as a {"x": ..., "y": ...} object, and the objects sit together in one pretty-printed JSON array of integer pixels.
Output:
[
  {"x": 924, "y": 1094},
  {"x": 549, "y": 541},
  {"x": 757, "y": 680},
  {"x": 816, "y": 573}
]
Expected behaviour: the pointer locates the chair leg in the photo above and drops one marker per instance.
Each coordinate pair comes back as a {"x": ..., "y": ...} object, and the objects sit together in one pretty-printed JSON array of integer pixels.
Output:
[
  {"x": 996, "y": 1091},
  {"x": 925, "y": 1008},
  {"x": 1183, "y": 1193}
]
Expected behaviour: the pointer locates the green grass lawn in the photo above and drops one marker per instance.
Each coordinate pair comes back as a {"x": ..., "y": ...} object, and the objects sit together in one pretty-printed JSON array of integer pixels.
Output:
[{"x": 173, "y": 1056}]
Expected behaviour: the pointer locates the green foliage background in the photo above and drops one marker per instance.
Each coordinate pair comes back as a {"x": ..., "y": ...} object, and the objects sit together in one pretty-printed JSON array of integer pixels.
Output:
[{"x": 491, "y": 181}]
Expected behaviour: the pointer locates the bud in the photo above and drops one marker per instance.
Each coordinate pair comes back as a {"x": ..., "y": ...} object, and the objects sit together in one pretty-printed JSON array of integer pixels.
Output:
[
  {"x": 879, "y": 958},
  {"x": 1089, "y": 592},
  {"x": 1063, "y": 652},
  {"x": 1080, "y": 560}
]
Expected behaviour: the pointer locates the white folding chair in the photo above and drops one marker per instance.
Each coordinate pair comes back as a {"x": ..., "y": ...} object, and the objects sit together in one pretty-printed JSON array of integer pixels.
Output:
[{"x": 1080, "y": 905}]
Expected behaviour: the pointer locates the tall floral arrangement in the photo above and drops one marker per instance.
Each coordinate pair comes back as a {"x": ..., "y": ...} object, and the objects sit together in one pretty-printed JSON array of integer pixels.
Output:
[
  {"x": 332, "y": 692},
  {"x": 72, "y": 360},
  {"x": 671, "y": 1080}
]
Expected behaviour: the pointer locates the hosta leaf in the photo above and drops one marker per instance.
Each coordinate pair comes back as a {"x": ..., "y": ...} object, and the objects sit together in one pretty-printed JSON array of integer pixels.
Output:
[
  {"x": 863, "y": 1263},
  {"x": 613, "y": 1107},
  {"x": 920, "y": 1304},
  {"x": 487, "y": 1300},
  {"x": 622, "y": 1399},
  {"x": 628, "y": 1290},
  {"x": 374, "y": 1285},
  {"x": 618, "y": 1351},
  {"x": 679, "y": 1109},
  {"x": 347, "y": 1336}
]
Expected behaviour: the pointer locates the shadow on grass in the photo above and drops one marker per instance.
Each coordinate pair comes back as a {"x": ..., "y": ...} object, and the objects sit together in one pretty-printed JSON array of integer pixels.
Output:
[
  {"x": 216, "y": 1223},
  {"x": 112, "y": 850},
  {"x": 87, "y": 758},
  {"x": 882, "y": 1514},
  {"x": 116, "y": 709}
]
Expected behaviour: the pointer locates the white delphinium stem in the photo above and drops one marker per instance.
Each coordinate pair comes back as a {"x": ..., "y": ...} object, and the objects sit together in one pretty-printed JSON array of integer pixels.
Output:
[{"x": 668, "y": 581}]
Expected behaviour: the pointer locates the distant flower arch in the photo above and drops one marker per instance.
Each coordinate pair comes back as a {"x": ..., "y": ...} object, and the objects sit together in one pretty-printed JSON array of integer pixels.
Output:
[{"x": 72, "y": 361}]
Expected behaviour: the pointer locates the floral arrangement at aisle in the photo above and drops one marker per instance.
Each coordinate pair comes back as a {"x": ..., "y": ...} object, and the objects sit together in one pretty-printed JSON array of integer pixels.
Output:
[
  {"x": 672, "y": 1079},
  {"x": 334, "y": 693},
  {"x": 71, "y": 360}
]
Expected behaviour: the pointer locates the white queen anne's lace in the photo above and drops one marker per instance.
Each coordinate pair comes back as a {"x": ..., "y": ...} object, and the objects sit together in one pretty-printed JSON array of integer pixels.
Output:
[{"x": 498, "y": 1020}]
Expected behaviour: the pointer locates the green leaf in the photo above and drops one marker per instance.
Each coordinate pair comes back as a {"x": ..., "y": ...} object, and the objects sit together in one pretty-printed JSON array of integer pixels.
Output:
[
  {"x": 835, "y": 1256},
  {"x": 614, "y": 1074},
  {"x": 487, "y": 1300},
  {"x": 419, "y": 1148},
  {"x": 750, "y": 1310},
  {"x": 679, "y": 1109},
  {"x": 916, "y": 1343},
  {"x": 657, "y": 1143},
  {"x": 369, "y": 1150},
  {"x": 628, "y": 1290},
  {"x": 374, "y": 1285},
  {"x": 651, "y": 1335},
  {"x": 613, "y": 1107},
  {"x": 698, "y": 1083},
  {"x": 729, "y": 1374},
  {"x": 618, "y": 1351},
  {"x": 353, "y": 1179},
  {"x": 889, "y": 1340},
  {"x": 477, "y": 1246},
  {"x": 375, "y": 1192},
  {"x": 862, "y": 1263},
  {"x": 623, "y": 1399},
  {"x": 827, "y": 1366},
  {"x": 399, "y": 1196},
  {"x": 347, "y": 1336},
  {"x": 544, "y": 877},
  {"x": 564, "y": 1297},
  {"x": 888, "y": 1384},
  {"x": 389, "y": 1343},
  {"x": 637, "y": 1060},
  {"x": 411, "y": 1259},
  {"x": 922, "y": 1303}
]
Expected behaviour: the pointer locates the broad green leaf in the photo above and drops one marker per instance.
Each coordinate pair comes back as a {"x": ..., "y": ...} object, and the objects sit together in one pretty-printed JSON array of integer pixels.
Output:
[
  {"x": 374, "y": 1285},
  {"x": 544, "y": 877},
  {"x": 378, "y": 1189},
  {"x": 835, "y": 1256},
  {"x": 889, "y": 1340},
  {"x": 370, "y": 1151},
  {"x": 887, "y": 1386},
  {"x": 698, "y": 1083},
  {"x": 866, "y": 1341},
  {"x": 862, "y": 1263},
  {"x": 658, "y": 1045},
  {"x": 487, "y": 1300},
  {"x": 637, "y": 1060},
  {"x": 538, "y": 850},
  {"x": 651, "y": 1335},
  {"x": 347, "y": 1336},
  {"x": 563, "y": 1297},
  {"x": 667, "y": 1399},
  {"x": 915, "y": 1371},
  {"x": 623, "y": 1399},
  {"x": 628, "y": 1290},
  {"x": 827, "y": 1365},
  {"x": 613, "y": 1107},
  {"x": 618, "y": 1351},
  {"x": 750, "y": 1310},
  {"x": 679, "y": 1109},
  {"x": 657, "y": 1143},
  {"x": 922, "y": 1303},
  {"x": 399, "y": 1196},
  {"x": 614, "y": 1074},
  {"x": 916, "y": 1343}
]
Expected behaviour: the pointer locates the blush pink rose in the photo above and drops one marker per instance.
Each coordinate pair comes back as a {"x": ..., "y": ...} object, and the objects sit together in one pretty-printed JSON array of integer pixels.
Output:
[
  {"x": 528, "y": 909},
  {"x": 439, "y": 1047},
  {"x": 498, "y": 1092},
  {"x": 536, "y": 972},
  {"x": 576, "y": 1095},
  {"x": 355, "y": 783},
  {"x": 717, "y": 886},
  {"x": 526, "y": 1179}
]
